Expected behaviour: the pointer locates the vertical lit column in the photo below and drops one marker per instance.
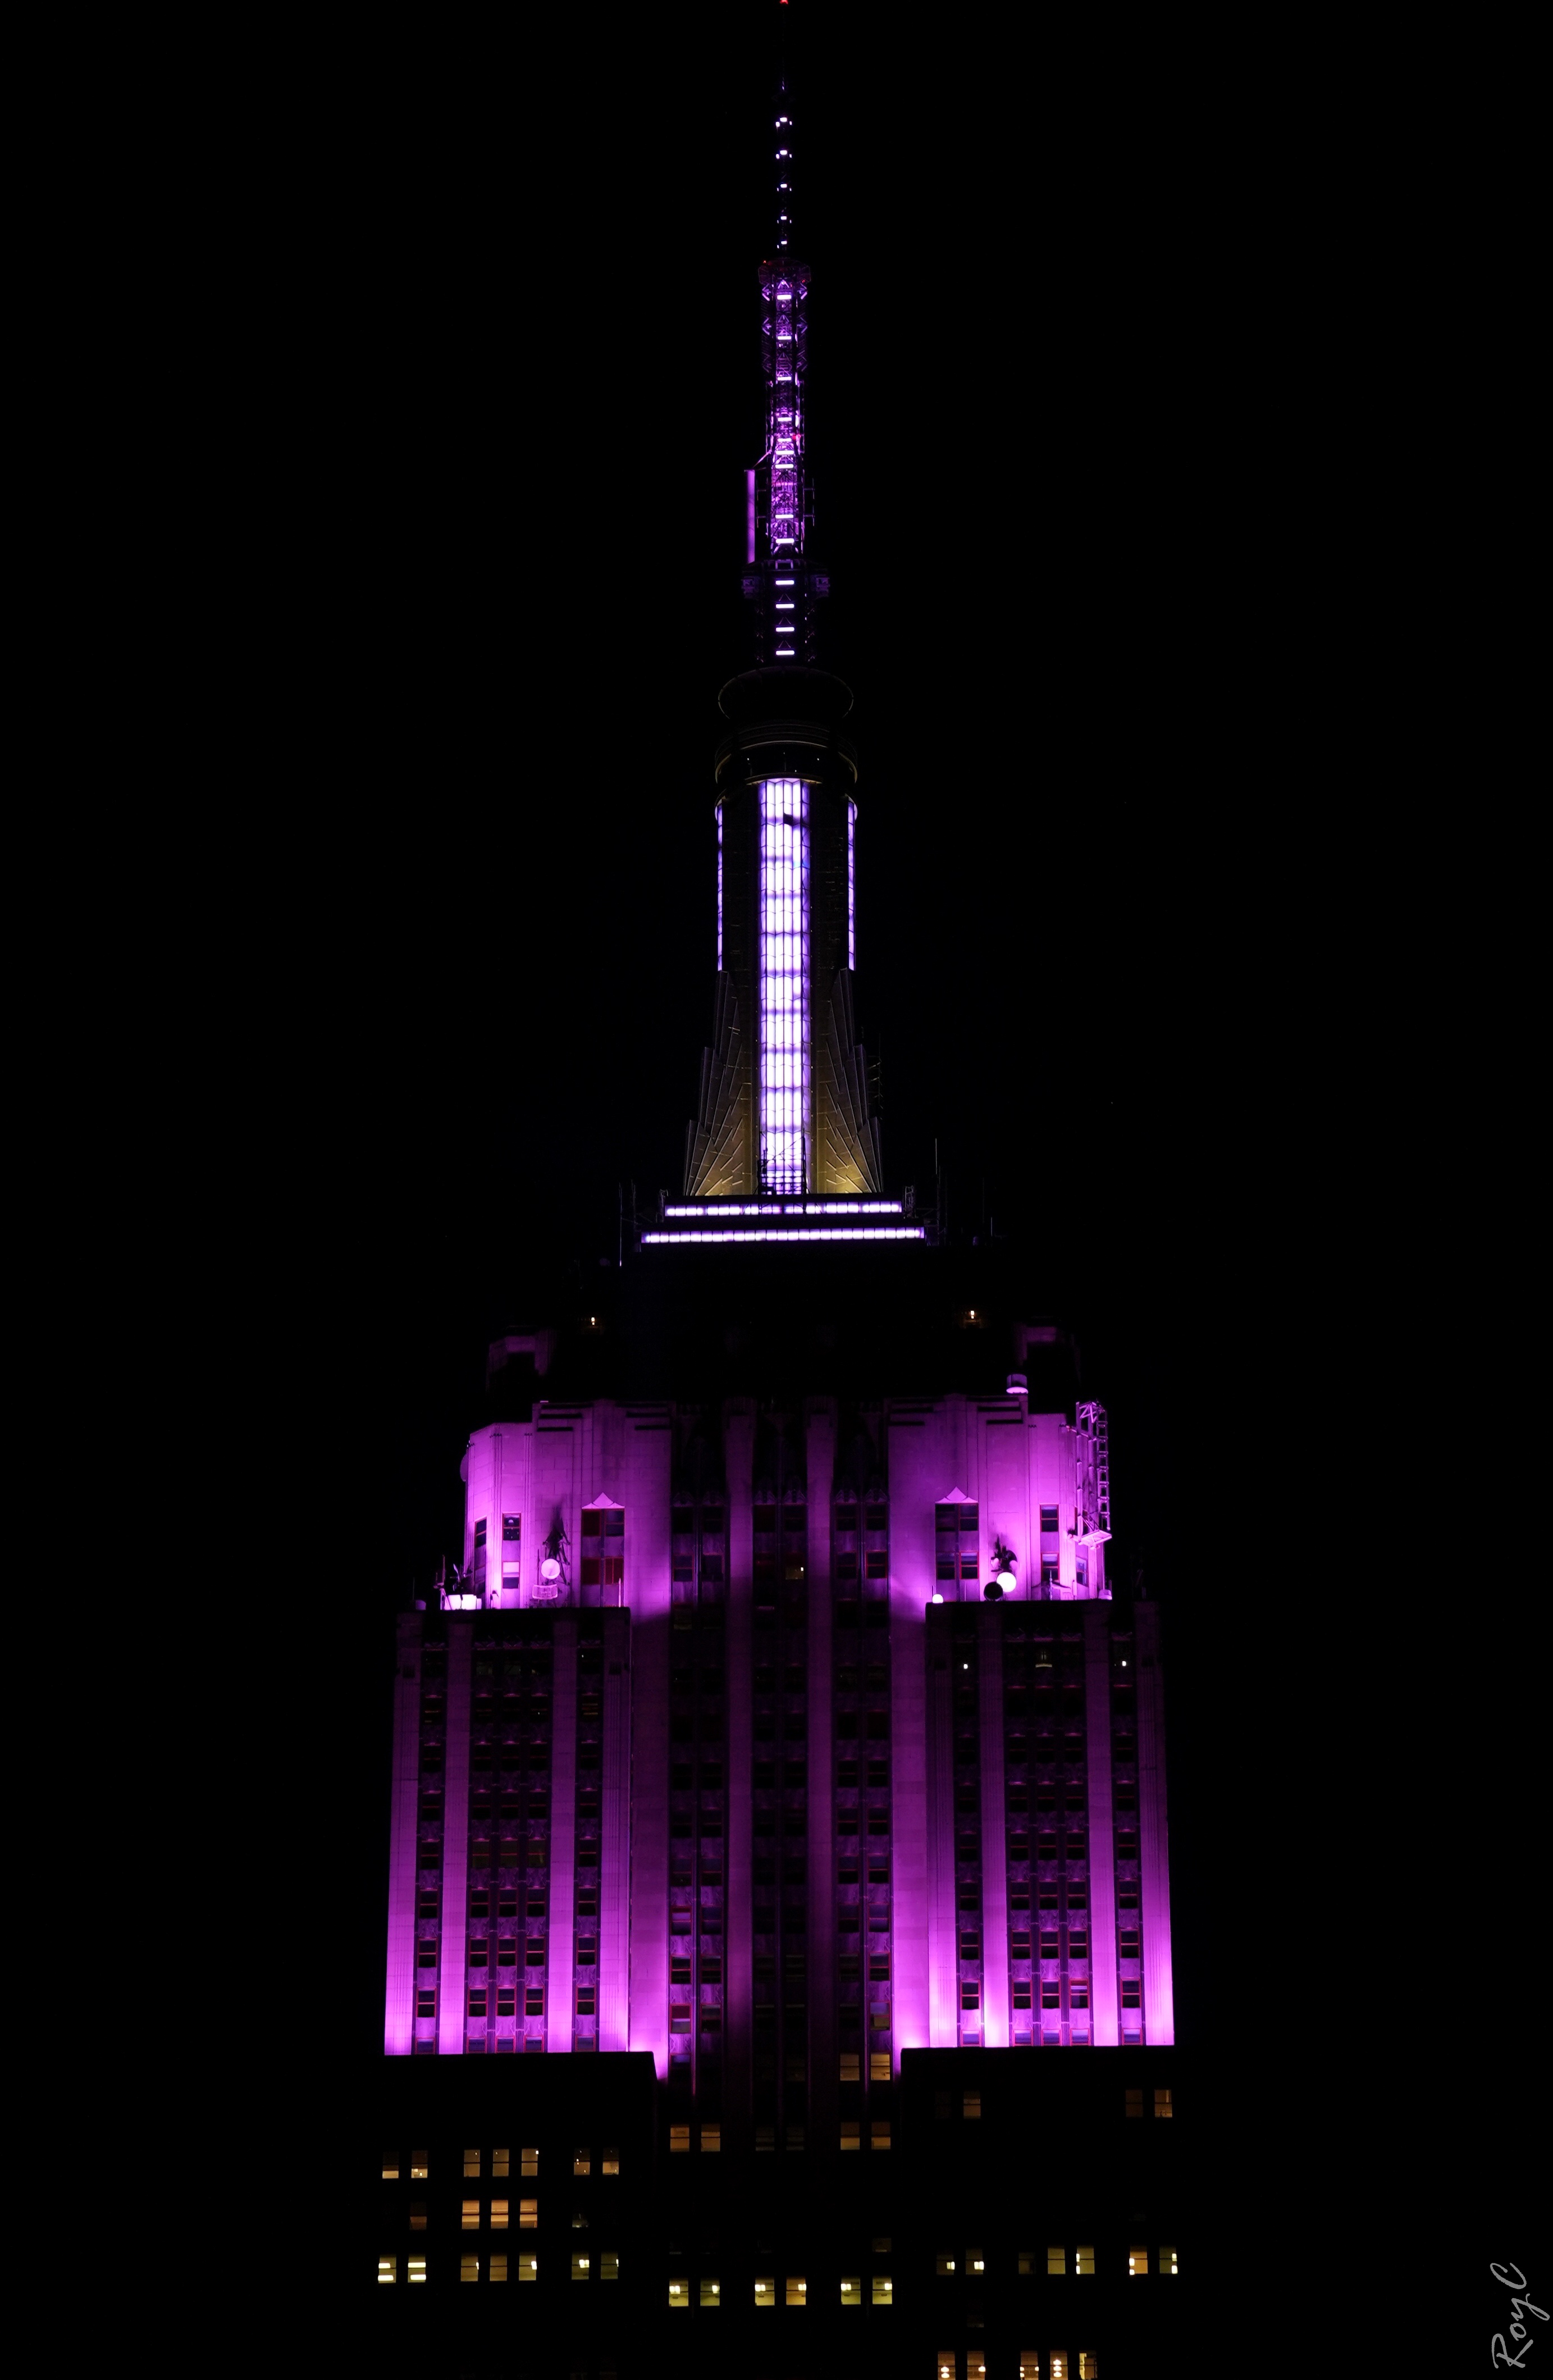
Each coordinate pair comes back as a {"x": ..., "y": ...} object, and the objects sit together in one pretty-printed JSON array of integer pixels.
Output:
[
  {"x": 943, "y": 1946},
  {"x": 994, "y": 1855},
  {"x": 784, "y": 994},
  {"x": 1102, "y": 1845},
  {"x": 455, "y": 1842},
  {"x": 398, "y": 2014},
  {"x": 738, "y": 1455},
  {"x": 562, "y": 1835},
  {"x": 819, "y": 1466},
  {"x": 1159, "y": 1994},
  {"x": 915, "y": 1467},
  {"x": 851, "y": 884},
  {"x": 719, "y": 888},
  {"x": 614, "y": 1831}
]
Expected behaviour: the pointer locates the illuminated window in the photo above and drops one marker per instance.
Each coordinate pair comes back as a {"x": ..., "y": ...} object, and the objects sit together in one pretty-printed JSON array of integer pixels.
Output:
[
  {"x": 530, "y": 2164},
  {"x": 947, "y": 2365},
  {"x": 609, "y": 2265},
  {"x": 581, "y": 2269},
  {"x": 528, "y": 2214},
  {"x": 1162, "y": 2104},
  {"x": 679, "y": 2138},
  {"x": 798, "y": 2289},
  {"x": 471, "y": 2215},
  {"x": 879, "y": 2133},
  {"x": 469, "y": 2268},
  {"x": 1030, "y": 2364},
  {"x": 1135, "y": 2102},
  {"x": 679, "y": 2296},
  {"x": 852, "y": 2135},
  {"x": 390, "y": 2166},
  {"x": 1168, "y": 2261},
  {"x": 1084, "y": 2260},
  {"x": 471, "y": 2165},
  {"x": 418, "y": 2268},
  {"x": 765, "y": 2292},
  {"x": 884, "y": 2290},
  {"x": 1137, "y": 2261},
  {"x": 971, "y": 2106},
  {"x": 609, "y": 2161},
  {"x": 711, "y": 2293},
  {"x": 975, "y": 2261},
  {"x": 418, "y": 2214},
  {"x": 711, "y": 2138},
  {"x": 500, "y": 2160},
  {"x": 1056, "y": 2260},
  {"x": 852, "y": 2290},
  {"x": 1088, "y": 2366},
  {"x": 499, "y": 2210},
  {"x": 878, "y": 2065},
  {"x": 498, "y": 2268},
  {"x": 388, "y": 2268},
  {"x": 944, "y": 2264},
  {"x": 527, "y": 2268},
  {"x": 851, "y": 2065}
]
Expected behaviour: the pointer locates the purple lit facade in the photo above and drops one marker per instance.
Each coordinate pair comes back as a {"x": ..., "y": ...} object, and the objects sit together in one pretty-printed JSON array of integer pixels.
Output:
[
  {"x": 761, "y": 1782},
  {"x": 784, "y": 986}
]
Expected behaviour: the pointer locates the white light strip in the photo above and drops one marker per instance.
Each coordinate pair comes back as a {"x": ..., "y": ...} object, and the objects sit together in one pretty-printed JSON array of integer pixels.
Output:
[
  {"x": 795, "y": 1207},
  {"x": 708, "y": 1239}
]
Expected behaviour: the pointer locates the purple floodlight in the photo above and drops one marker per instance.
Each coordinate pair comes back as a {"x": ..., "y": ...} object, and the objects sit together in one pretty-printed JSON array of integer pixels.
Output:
[{"x": 784, "y": 972}]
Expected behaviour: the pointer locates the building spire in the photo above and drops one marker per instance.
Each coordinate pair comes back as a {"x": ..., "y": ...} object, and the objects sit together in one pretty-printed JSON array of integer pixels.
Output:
[{"x": 779, "y": 579}]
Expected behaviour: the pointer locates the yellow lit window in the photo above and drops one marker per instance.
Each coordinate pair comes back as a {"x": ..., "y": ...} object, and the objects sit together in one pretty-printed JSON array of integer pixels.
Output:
[
  {"x": 469, "y": 2268},
  {"x": 471, "y": 2165},
  {"x": 581, "y": 2162},
  {"x": 500, "y": 2160},
  {"x": 1084, "y": 2260},
  {"x": 975, "y": 2261},
  {"x": 711, "y": 2138},
  {"x": 971, "y": 2104},
  {"x": 418, "y": 2214},
  {"x": 388, "y": 2268},
  {"x": 878, "y": 2065},
  {"x": 609, "y": 2161},
  {"x": 943, "y": 2266},
  {"x": 390, "y": 2166},
  {"x": 1162, "y": 2104},
  {"x": 1060, "y": 2364},
  {"x": 528, "y": 2214},
  {"x": 609, "y": 2265},
  {"x": 581, "y": 2269},
  {"x": 1056, "y": 2260},
  {"x": 797, "y": 2291},
  {"x": 1030, "y": 2364},
  {"x": 948, "y": 2364},
  {"x": 679, "y": 2139},
  {"x": 418, "y": 2165},
  {"x": 879, "y": 2132},
  {"x": 852, "y": 2290},
  {"x": 852, "y": 2064},
  {"x": 679, "y": 2296},
  {"x": 1167, "y": 2261},
  {"x": 884, "y": 2290},
  {"x": 1135, "y": 2102},
  {"x": 530, "y": 2164},
  {"x": 1088, "y": 2366},
  {"x": 499, "y": 2213},
  {"x": 975, "y": 2364},
  {"x": 527, "y": 2268},
  {"x": 418, "y": 2268},
  {"x": 498, "y": 2268},
  {"x": 1137, "y": 2260},
  {"x": 711, "y": 2293},
  {"x": 765, "y": 2293},
  {"x": 1026, "y": 2260},
  {"x": 852, "y": 2135},
  {"x": 471, "y": 2215}
]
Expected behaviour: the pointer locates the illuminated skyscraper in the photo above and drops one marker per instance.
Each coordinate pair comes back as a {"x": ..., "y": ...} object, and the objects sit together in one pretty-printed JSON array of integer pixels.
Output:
[{"x": 776, "y": 1744}]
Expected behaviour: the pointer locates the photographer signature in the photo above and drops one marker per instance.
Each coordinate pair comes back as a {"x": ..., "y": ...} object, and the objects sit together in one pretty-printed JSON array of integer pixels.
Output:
[{"x": 1514, "y": 2279}]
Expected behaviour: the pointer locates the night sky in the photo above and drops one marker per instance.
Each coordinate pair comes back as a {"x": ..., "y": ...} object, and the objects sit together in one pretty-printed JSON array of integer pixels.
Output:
[{"x": 535, "y": 380}]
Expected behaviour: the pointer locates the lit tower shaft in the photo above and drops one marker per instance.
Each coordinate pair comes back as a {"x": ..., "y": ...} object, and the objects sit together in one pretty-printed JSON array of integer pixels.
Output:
[{"x": 783, "y": 1111}]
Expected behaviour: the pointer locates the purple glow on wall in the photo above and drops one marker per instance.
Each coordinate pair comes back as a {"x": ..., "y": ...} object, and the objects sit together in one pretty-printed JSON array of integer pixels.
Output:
[
  {"x": 784, "y": 994},
  {"x": 721, "y": 1239},
  {"x": 720, "y": 886},
  {"x": 790, "y": 1207}
]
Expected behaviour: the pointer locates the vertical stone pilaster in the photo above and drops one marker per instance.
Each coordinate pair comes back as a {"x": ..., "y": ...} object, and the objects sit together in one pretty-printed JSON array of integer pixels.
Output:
[
  {"x": 1102, "y": 1843},
  {"x": 614, "y": 1838},
  {"x": 1159, "y": 1996},
  {"x": 994, "y": 1854},
  {"x": 738, "y": 1953},
  {"x": 819, "y": 1459},
  {"x": 562, "y": 1897},
  {"x": 399, "y": 2015},
  {"x": 455, "y": 1841},
  {"x": 943, "y": 1950}
]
